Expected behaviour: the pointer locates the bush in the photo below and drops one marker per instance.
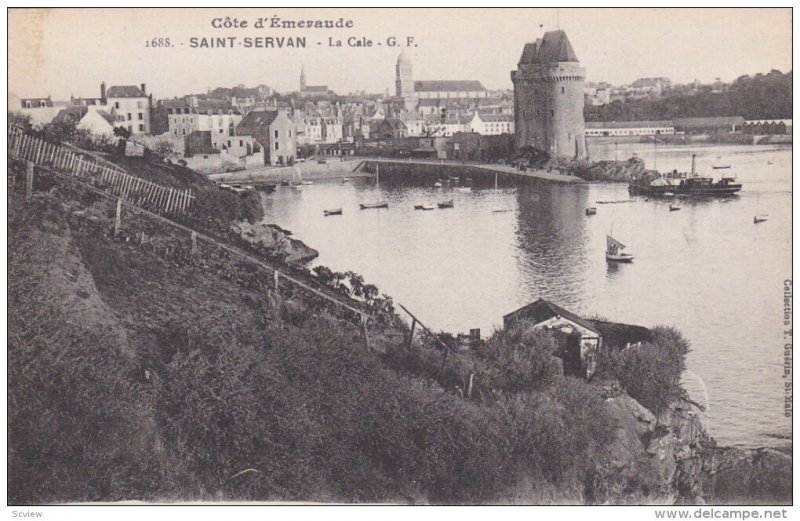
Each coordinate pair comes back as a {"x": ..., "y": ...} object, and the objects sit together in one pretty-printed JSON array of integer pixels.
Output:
[{"x": 651, "y": 372}]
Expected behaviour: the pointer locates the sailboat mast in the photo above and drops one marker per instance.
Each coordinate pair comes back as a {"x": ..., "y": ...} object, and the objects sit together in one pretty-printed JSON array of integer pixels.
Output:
[
  {"x": 495, "y": 181},
  {"x": 378, "y": 176}
]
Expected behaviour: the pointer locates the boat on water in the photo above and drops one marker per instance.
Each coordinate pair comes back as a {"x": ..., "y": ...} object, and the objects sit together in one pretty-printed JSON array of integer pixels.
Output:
[
  {"x": 345, "y": 180},
  {"x": 674, "y": 208},
  {"x": 720, "y": 167},
  {"x": 682, "y": 183},
  {"x": 591, "y": 211},
  {"x": 464, "y": 189},
  {"x": 614, "y": 251},
  {"x": 297, "y": 178},
  {"x": 496, "y": 192},
  {"x": 379, "y": 203},
  {"x": 284, "y": 182},
  {"x": 446, "y": 204},
  {"x": 425, "y": 206},
  {"x": 332, "y": 211},
  {"x": 437, "y": 184}
]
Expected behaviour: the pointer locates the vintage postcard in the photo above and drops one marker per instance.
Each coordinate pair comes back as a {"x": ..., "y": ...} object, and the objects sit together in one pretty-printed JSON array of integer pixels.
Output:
[{"x": 422, "y": 256}]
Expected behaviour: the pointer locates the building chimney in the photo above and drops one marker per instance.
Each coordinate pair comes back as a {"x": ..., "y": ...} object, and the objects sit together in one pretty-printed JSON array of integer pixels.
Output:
[
  {"x": 103, "y": 91},
  {"x": 143, "y": 88}
]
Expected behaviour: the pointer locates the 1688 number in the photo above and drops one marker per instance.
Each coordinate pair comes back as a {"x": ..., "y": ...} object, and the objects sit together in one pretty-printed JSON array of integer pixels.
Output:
[{"x": 158, "y": 42}]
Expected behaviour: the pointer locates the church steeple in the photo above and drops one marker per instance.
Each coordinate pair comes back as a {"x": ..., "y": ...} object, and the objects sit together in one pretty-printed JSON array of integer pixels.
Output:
[{"x": 302, "y": 78}]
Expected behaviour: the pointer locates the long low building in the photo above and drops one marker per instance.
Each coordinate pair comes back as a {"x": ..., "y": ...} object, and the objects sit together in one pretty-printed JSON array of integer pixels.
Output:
[{"x": 629, "y": 128}]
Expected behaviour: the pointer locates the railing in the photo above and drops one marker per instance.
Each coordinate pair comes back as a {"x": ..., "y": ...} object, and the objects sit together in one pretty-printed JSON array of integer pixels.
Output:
[{"x": 113, "y": 180}]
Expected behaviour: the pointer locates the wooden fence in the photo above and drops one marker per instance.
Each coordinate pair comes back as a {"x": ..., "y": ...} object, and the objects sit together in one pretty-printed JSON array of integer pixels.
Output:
[{"x": 113, "y": 180}]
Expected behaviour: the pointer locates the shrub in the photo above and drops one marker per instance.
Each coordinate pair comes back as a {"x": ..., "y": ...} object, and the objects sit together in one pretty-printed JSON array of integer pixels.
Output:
[{"x": 651, "y": 372}]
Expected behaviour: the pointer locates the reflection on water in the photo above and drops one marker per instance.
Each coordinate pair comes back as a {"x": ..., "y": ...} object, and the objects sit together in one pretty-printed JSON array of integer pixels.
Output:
[{"x": 706, "y": 269}]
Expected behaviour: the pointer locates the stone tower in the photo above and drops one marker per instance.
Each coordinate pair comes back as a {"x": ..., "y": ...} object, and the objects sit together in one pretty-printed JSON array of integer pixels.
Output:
[
  {"x": 302, "y": 78},
  {"x": 548, "y": 97},
  {"x": 404, "y": 81}
]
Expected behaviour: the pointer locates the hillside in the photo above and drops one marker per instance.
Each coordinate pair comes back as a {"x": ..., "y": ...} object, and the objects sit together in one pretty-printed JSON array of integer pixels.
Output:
[{"x": 135, "y": 375}]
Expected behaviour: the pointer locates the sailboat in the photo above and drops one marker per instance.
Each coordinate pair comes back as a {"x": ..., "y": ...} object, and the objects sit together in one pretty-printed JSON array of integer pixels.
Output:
[
  {"x": 498, "y": 210},
  {"x": 297, "y": 178},
  {"x": 614, "y": 251},
  {"x": 380, "y": 203},
  {"x": 759, "y": 217},
  {"x": 674, "y": 208}
]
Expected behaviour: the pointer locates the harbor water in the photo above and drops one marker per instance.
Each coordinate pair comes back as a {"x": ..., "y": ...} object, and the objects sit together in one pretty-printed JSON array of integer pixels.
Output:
[{"x": 707, "y": 269}]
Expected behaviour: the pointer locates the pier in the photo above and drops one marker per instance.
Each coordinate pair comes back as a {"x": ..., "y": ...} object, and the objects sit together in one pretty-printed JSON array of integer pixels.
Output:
[{"x": 336, "y": 168}]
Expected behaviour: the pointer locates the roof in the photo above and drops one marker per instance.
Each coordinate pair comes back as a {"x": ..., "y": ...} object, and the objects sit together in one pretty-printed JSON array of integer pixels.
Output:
[
  {"x": 448, "y": 86},
  {"x": 74, "y": 113},
  {"x": 125, "y": 91},
  {"x": 403, "y": 59},
  {"x": 787, "y": 122},
  {"x": 216, "y": 107},
  {"x": 316, "y": 88},
  {"x": 496, "y": 118},
  {"x": 553, "y": 47},
  {"x": 542, "y": 310},
  {"x": 257, "y": 119},
  {"x": 616, "y": 334},
  {"x": 106, "y": 116},
  {"x": 630, "y": 124},
  {"x": 706, "y": 122}
]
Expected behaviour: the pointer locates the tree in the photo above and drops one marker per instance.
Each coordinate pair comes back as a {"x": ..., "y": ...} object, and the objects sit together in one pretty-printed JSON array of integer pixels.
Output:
[
  {"x": 122, "y": 132},
  {"x": 164, "y": 148}
]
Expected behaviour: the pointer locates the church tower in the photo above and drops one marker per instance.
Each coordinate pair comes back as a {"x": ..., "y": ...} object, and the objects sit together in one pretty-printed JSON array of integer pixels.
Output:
[
  {"x": 548, "y": 97},
  {"x": 404, "y": 81},
  {"x": 302, "y": 78}
]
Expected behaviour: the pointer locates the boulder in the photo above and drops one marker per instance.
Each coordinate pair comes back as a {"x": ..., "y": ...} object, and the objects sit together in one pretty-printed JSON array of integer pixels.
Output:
[{"x": 276, "y": 241}]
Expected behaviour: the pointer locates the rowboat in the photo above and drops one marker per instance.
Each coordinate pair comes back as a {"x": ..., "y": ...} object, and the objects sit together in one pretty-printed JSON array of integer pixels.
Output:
[
  {"x": 332, "y": 211},
  {"x": 425, "y": 206},
  {"x": 674, "y": 208},
  {"x": 591, "y": 211},
  {"x": 446, "y": 204}
]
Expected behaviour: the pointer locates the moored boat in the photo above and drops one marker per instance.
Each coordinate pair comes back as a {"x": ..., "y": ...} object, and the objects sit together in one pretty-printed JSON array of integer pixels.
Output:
[
  {"x": 446, "y": 204},
  {"x": 674, "y": 208},
  {"x": 332, "y": 211},
  {"x": 425, "y": 206},
  {"x": 380, "y": 203},
  {"x": 681, "y": 184},
  {"x": 591, "y": 211}
]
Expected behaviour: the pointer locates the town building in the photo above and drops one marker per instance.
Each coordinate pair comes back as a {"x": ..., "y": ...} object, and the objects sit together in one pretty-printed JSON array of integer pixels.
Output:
[
  {"x": 549, "y": 97},
  {"x": 274, "y": 130},
  {"x": 711, "y": 125},
  {"x": 492, "y": 124},
  {"x": 312, "y": 91},
  {"x": 581, "y": 341},
  {"x": 219, "y": 117},
  {"x": 131, "y": 106},
  {"x": 629, "y": 128},
  {"x": 414, "y": 95},
  {"x": 767, "y": 126}
]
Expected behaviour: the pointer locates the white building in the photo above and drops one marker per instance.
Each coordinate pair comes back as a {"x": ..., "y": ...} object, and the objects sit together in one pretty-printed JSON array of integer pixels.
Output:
[
  {"x": 218, "y": 117},
  {"x": 98, "y": 122},
  {"x": 492, "y": 124},
  {"x": 131, "y": 106},
  {"x": 629, "y": 128}
]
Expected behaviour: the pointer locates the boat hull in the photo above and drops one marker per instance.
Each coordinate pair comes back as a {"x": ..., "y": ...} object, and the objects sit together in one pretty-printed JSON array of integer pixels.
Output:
[
  {"x": 671, "y": 191},
  {"x": 623, "y": 257},
  {"x": 380, "y": 204},
  {"x": 336, "y": 211}
]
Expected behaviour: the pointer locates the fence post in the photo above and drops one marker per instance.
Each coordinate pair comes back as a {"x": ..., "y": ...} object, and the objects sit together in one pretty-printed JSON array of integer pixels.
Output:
[
  {"x": 275, "y": 276},
  {"x": 469, "y": 388},
  {"x": 411, "y": 335},
  {"x": 118, "y": 218},
  {"x": 366, "y": 332},
  {"x": 29, "y": 180},
  {"x": 194, "y": 242}
]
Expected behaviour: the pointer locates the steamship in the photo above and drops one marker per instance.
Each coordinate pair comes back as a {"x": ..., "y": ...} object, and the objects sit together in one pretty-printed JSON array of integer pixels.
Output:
[{"x": 681, "y": 183}]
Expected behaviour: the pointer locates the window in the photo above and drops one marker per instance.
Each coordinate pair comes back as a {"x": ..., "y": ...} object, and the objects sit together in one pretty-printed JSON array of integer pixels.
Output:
[
  {"x": 277, "y": 145},
  {"x": 141, "y": 116},
  {"x": 141, "y": 128},
  {"x": 139, "y": 105},
  {"x": 130, "y": 128},
  {"x": 116, "y": 105},
  {"x": 175, "y": 131},
  {"x": 276, "y": 137},
  {"x": 241, "y": 143},
  {"x": 130, "y": 116},
  {"x": 27, "y": 104},
  {"x": 562, "y": 90}
]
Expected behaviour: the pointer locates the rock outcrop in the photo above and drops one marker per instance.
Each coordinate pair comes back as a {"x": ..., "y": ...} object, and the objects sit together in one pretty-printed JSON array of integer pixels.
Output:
[
  {"x": 276, "y": 241},
  {"x": 670, "y": 458},
  {"x": 609, "y": 171}
]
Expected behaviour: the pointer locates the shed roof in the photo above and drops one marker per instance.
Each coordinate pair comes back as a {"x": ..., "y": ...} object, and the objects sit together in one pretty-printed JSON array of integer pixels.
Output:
[{"x": 542, "y": 310}]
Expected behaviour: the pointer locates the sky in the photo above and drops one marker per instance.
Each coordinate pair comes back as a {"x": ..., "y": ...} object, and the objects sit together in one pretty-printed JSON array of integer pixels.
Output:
[{"x": 63, "y": 52}]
